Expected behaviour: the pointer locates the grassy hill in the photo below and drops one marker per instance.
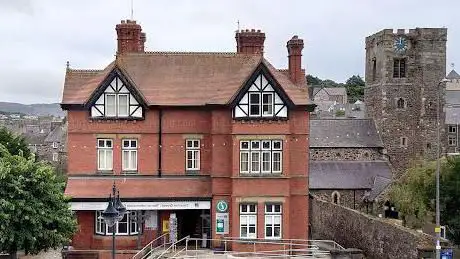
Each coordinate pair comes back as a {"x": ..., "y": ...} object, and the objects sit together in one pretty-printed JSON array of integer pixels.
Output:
[{"x": 39, "y": 109}]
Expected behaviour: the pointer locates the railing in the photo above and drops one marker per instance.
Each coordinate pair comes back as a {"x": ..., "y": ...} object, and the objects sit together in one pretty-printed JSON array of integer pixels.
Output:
[
  {"x": 319, "y": 243},
  {"x": 291, "y": 249},
  {"x": 151, "y": 247},
  {"x": 173, "y": 246}
]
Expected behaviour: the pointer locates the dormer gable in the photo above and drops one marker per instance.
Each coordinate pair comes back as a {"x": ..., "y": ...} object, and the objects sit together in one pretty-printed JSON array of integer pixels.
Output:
[
  {"x": 116, "y": 98},
  {"x": 261, "y": 97}
]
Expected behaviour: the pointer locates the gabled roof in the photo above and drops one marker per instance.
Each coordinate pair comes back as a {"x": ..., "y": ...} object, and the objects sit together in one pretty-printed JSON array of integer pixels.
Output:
[
  {"x": 453, "y": 75},
  {"x": 180, "y": 78},
  {"x": 347, "y": 174},
  {"x": 330, "y": 90},
  {"x": 344, "y": 133},
  {"x": 56, "y": 135}
]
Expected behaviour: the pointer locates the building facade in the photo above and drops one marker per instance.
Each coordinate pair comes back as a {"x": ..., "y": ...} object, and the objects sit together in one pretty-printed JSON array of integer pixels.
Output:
[
  {"x": 190, "y": 136},
  {"x": 403, "y": 74},
  {"x": 348, "y": 164},
  {"x": 452, "y": 111}
]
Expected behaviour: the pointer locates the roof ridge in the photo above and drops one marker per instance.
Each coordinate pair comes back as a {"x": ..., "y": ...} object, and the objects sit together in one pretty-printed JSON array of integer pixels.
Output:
[
  {"x": 187, "y": 53},
  {"x": 85, "y": 70}
]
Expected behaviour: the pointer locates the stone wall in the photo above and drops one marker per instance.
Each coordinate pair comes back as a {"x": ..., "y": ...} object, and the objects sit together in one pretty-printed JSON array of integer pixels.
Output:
[
  {"x": 342, "y": 154},
  {"x": 378, "y": 238},
  {"x": 349, "y": 198}
]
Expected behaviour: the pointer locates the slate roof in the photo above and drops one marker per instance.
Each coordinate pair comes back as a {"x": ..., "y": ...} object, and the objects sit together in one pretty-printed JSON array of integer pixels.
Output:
[
  {"x": 346, "y": 174},
  {"x": 181, "y": 78},
  {"x": 452, "y": 97},
  {"x": 344, "y": 133},
  {"x": 452, "y": 115},
  {"x": 330, "y": 90},
  {"x": 453, "y": 75},
  {"x": 56, "y": 135},
  {"x": 380, "y": 184}
]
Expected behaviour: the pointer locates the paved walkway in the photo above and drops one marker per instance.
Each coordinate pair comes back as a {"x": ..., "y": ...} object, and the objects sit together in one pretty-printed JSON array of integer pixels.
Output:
[{"x": 51, "y": 254}]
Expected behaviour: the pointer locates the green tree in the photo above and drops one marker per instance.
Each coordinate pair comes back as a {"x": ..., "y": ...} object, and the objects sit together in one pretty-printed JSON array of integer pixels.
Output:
[
  {"x": 34, "y": 212},
  {"x": 355, "y": 88},
  {"x": 415, "y": 193},
  {"x": 14, "y": 144}
]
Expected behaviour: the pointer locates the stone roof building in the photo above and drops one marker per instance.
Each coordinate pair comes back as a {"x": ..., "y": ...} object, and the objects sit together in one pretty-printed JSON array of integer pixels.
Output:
[{"x": 347, "y": 161}]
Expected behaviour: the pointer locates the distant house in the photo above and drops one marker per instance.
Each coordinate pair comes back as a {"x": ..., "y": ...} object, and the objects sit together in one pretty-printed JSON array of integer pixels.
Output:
[
  {"x": 15, "y": 116},
  {"x": 30, "y": 117},
  {"x": 330, "y": 94},
  {"x": 348, "y": 165},
  {"x": 452, "y": 112}
]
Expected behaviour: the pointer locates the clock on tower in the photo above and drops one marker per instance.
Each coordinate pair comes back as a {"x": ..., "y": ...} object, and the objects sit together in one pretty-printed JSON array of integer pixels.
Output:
[{"x": 400, "y": 44}]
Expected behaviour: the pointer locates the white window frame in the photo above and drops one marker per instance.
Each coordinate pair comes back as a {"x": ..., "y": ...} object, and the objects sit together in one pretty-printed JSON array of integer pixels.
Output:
[
  {"x": 452, "y": 129},
  {"x": 106, "y": 151},
  {"x": 131, "y": 151},
  {"x": 273, "y": 213},
  {"x": 106, "y": 105},
  {"x": 248, "y": 214},
  {"x": 257, "y": 156},
  {"x": 251, "y": 104},
  {"x": 118, "y": 105},
  {"x": 192, "y": 154},
  {"x": 55, "y": 145},
  {"x": 403, "y": 141},
  {"x": 99, "y": 226},
  {"x": 55, "y": 157},
  {"x": 271, "y": 104}
]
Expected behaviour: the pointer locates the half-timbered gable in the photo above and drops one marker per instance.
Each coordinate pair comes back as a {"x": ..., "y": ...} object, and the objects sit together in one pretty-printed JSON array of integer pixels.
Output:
[
  {"x": 261, "y": 97},
  {"x": 116, "y": 98}
]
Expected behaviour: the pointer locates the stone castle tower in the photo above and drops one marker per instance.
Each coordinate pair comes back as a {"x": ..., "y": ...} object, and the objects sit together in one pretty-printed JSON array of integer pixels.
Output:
[{"x": 403, "y": 71}]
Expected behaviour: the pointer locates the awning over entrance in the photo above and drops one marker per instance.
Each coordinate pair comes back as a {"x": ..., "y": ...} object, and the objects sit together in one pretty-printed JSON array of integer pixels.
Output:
[{"x": 146, "y": 205}]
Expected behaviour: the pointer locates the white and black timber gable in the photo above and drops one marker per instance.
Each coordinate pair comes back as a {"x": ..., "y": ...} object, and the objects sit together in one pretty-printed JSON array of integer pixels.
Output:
[
  {"x": 116, "y": 98},
  {"x": 261, "y": 98}
]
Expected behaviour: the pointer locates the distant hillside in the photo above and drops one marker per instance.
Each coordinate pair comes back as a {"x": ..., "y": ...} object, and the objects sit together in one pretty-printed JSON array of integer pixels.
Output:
[{"x": 39, "y": 109}]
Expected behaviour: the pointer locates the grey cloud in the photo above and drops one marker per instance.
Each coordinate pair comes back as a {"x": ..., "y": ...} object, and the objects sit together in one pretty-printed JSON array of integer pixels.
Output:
[{"x": 34, "y": 48}]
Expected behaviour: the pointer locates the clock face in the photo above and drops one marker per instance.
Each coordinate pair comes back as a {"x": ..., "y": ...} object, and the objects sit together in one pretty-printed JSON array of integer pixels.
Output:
[{"x": 400, "y": 44}]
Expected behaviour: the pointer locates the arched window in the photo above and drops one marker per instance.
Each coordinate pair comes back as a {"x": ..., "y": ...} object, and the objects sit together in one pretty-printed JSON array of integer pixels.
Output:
[
  {"x": 336, "y": 197},
  {"x": 401, "y": 103}
]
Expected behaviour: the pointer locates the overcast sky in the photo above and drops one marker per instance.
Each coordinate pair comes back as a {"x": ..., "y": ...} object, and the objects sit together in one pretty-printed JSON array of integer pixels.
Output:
[{"x": 38, "y": 37}]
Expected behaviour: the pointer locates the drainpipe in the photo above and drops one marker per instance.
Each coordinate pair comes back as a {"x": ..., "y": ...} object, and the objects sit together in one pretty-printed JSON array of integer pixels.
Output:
[{"x": 160, "y": 140}]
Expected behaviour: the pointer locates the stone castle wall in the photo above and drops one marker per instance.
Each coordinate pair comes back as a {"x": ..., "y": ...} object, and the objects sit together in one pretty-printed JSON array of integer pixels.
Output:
[
  {"x": 345, "y": 154},
  {"x": 378, "y": 238}
]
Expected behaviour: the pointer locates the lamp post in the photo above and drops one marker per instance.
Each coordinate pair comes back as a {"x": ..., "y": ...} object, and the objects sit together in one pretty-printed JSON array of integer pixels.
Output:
[
  {"x": 438, "y": 168},
  {"x": 114, "y": 212}
]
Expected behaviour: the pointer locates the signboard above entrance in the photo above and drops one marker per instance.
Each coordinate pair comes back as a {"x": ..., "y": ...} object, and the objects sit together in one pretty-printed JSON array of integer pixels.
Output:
[{"x": 146, "y": 205}]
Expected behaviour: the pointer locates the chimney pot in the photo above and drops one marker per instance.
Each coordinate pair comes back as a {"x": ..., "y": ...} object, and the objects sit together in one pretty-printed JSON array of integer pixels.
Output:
[
  {"x": 295, "y": 46},
  {"x": 250, "y": 41},
  {"x": 130, "y": 37}
]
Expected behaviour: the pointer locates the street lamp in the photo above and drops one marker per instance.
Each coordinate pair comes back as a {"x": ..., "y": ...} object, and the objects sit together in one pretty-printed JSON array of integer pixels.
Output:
[
  {"x": 438, "y": 151},
  {"x": 114, "y": 212}
]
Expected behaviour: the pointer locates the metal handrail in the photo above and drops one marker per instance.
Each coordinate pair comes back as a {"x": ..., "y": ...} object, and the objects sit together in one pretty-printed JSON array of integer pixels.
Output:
[
  {"x": 173, "y": 246},
  {"x": 334, "y": 244},
  {"x": 297, "y": 248},
  {"x": 142, "y": 253}
]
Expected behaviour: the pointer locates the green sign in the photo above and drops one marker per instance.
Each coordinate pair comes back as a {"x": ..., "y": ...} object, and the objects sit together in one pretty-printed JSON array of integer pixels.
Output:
[
  {"x": 222, "y": 206},
  {"x": 222, "y": 223}
]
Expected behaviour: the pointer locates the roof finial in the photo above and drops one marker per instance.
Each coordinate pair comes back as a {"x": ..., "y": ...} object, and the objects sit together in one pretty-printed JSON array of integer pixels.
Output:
[
  {"x": 238, "y": 24},
  {"x": 452, "y": 65},
  {"x": 67, "y": 65}
]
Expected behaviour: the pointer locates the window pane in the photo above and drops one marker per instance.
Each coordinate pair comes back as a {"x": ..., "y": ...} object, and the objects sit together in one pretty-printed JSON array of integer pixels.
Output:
[
  {"x": 267, "y": 104},
  {"x": 277, "y": 232},
  {"x": 268, "y": 231},
  {"x": 100, "y": 143},
  {"x": 244, "y": 144},
  {"x": 101, "y": 159},
  {"x": 125, "y": 143},
  {"x": 134, "y": 160},
  {"x": 277, "y": 161},
  {"x": 252, "y": 208},
  {"x": 122, "y": 105},
  {"x": 266, "y": 161},
  {"x": 254, "y": 110},
  {"x": 266, "y": 144},
  {"x": 125, "y": 160},
  {"x": 255, "y": 162},
  {"x": 255, "y": 144},
  {"x": 276, "y": 144},
  {"x": 244, "y": 162},
  {"x": 110, "y": 109},
  {"x": 108, "y": 143},
  {"x": 108, "y": 159},
  {"x": 254, "y": 98},
  {"x": 244, "y": 232},
  {"x": 244, "y": 208},
  {"x": 252, "y": 230}
]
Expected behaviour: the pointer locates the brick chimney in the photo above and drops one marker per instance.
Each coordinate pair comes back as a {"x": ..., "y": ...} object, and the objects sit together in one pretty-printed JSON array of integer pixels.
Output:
[
  {"x": 295, "y": 46},
  {"x": 130, "y": 37},
  {"x": 250, "y": 41}
]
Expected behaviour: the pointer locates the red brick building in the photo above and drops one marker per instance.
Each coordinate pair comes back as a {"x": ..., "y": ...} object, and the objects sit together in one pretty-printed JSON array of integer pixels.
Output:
[{"x": 180, "y": 131}]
